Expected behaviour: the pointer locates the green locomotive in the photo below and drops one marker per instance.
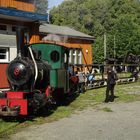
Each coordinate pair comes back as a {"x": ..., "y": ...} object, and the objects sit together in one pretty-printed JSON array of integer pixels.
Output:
[
  {"x": 57, "y": 56},
  {"x": 38, "y": 75}
]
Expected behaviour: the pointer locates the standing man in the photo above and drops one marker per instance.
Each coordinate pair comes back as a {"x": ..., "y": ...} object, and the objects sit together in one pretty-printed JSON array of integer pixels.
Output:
[
  {"x": 111, "y": 82},
  {"x": 81, "y": 81}
]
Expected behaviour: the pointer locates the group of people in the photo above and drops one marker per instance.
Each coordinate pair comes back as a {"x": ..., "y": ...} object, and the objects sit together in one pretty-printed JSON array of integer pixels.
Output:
[
  {"x": 84, "y": 77},
  {"x": 84, "y": 74}
]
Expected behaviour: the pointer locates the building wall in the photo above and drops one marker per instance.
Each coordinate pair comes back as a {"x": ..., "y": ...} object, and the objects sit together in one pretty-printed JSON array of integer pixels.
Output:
[
  {"x": 3, "y": 77},
  {"x": 86, "y": 51},
  {"x": 12, "y": 50},
  {"x": 34, "y": 33},
  {"x": 13, "y": 53},
  {"x": 18, "y": 4},
  {"x": 73, "y": 43},
  {"x": 86, "y": 47},
  {"x": 32, "y": 29},
  {"x": 8, "y": 52}
]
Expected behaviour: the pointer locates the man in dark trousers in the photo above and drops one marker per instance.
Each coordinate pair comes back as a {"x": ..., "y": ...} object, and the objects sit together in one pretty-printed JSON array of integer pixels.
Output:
[
  {"x": 111, "y": 82},
  {"x": 81, "y": 81}
]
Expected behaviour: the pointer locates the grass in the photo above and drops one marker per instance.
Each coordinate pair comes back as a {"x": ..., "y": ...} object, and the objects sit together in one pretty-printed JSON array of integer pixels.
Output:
[
  {"x": 92, "y": 98},
  {"x": 4, "y": 126},
  {"x": 128, "y": 92},
  {"x": 120, "y": 75},
  {"x": 124, "y": 74}
]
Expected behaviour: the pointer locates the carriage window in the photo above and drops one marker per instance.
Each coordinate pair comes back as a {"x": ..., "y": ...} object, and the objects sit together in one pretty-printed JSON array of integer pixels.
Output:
[
  {"x": 54, "y": 56},
  {"x": 4, "y": 54}
]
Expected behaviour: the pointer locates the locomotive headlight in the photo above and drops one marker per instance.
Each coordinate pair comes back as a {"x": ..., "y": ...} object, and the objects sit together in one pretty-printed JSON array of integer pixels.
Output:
[{"x": 19, "y": 72}]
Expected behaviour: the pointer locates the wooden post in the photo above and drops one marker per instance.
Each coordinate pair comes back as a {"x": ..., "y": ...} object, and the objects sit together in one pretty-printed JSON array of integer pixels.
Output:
[
  {"x": 105, "y": 46},
  {"x": 34, "y": 33}
]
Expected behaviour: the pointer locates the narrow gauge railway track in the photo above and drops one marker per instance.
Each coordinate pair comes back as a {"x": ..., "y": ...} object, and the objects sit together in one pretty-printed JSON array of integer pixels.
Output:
[{"x": 102, "y": 82}]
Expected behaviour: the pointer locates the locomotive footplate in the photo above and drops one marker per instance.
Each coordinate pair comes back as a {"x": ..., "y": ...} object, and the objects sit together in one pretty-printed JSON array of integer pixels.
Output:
[{"x": 7, "y": 111}]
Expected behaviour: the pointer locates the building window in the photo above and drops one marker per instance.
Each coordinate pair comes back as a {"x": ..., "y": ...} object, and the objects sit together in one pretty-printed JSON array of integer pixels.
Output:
[
  {"x": 13, "y": 28},
  {"x": 4, "y": 54},
  {"x": 70, "y": 56},
  {"x": 3, "y": 27},
  {"x": 75, "y": 56},
  {"x": 79, "y": 56}
]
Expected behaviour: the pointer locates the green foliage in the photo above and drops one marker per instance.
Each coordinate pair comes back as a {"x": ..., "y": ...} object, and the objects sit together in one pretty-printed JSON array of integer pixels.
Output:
[
  {"x": 119, "y": 18},
  {"x": 41, "y": 6}
]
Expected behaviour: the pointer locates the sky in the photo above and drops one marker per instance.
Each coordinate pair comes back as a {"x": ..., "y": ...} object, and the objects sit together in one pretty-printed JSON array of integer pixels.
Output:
[{"x": 53, "y": 3}]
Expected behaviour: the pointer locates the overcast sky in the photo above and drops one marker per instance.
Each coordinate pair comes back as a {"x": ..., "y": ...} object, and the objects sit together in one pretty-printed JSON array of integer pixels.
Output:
[{"x": 53, "y": 3}]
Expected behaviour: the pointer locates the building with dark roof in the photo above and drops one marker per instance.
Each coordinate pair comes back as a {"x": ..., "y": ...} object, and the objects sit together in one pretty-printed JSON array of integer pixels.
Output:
[
  {"x": 63, "y": 31},
  {"x": 80, "y": 44}
]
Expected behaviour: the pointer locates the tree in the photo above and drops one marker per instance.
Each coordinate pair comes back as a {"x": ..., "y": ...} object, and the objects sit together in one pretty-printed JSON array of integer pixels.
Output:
[
  {"x": 119, "y": 18},
  {"x": 41, "y": 6}
]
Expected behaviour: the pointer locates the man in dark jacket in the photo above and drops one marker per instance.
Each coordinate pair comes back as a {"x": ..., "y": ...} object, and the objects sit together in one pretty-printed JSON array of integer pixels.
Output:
[{"x": 111, "y": 82}]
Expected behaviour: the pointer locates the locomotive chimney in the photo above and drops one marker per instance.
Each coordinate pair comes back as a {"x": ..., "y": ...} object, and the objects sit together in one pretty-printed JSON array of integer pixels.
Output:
[{"x": 20, "y": 40}]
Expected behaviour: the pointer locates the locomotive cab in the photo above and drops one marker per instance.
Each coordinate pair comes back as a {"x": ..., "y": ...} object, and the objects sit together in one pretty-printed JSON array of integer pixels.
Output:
[{"x": 57, "y": 56}]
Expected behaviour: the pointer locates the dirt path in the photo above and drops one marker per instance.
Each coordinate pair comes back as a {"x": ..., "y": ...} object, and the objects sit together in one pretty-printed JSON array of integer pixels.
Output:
[{"x": 113, "y": 121}]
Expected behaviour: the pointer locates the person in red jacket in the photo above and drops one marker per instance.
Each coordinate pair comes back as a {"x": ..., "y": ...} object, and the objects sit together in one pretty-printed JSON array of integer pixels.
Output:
[{"x": 111, "y": 82}]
